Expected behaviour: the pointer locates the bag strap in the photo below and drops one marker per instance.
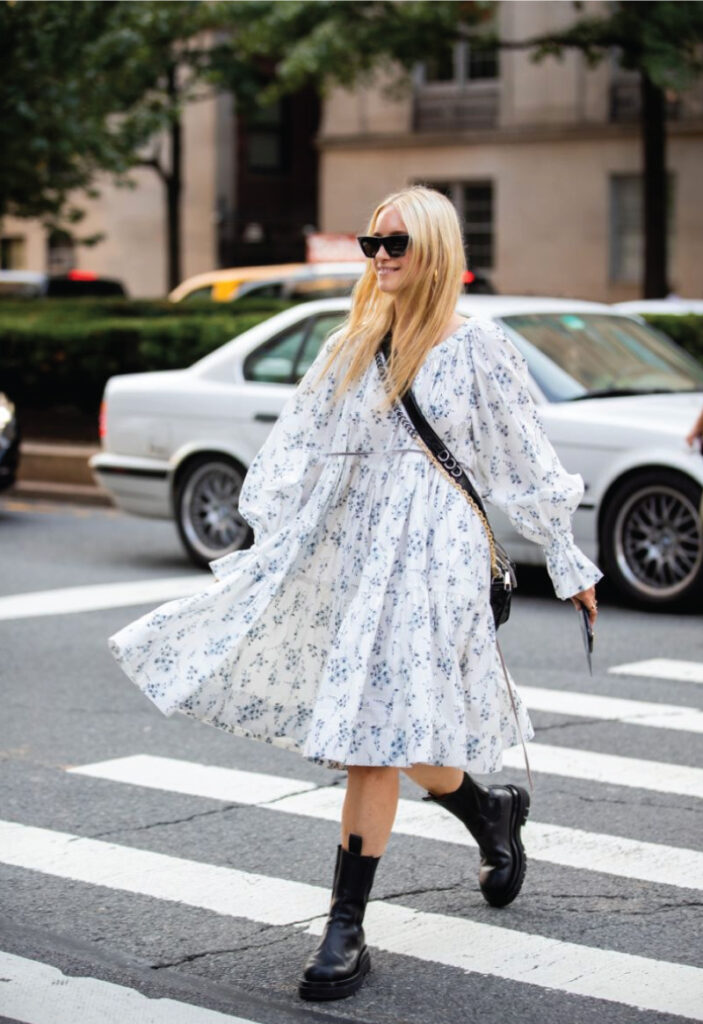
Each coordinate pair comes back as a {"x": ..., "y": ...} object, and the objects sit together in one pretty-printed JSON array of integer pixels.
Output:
[{"x": 431, "y": 438}]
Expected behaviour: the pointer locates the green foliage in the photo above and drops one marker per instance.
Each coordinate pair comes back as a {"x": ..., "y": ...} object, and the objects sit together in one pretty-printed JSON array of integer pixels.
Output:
[
  {"x": 660, "y": 38},
  {"x": 686, "y": 331},
  {"x": 86, "y": 85},
  {"x": 326, "y": 42},
  {"x": 61, "y": 353}
]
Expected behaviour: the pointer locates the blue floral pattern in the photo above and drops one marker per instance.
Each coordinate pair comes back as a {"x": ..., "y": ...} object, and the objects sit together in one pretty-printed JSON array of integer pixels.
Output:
[{"x": 357, "y": 629}]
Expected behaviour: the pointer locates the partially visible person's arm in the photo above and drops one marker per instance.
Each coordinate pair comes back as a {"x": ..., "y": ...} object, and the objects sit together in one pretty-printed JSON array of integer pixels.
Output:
[{"x": 696, "y": 433}]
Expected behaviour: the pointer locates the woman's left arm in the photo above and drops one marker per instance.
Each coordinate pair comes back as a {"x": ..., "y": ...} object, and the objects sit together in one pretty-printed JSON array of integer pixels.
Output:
[{"x": 516, "y": 465}]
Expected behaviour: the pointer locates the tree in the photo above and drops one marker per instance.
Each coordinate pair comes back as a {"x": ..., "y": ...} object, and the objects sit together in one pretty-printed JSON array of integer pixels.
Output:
[
  {"x": 55, "y": 106},
  {"x": 85, "y": 87},
  {"x": 91, "y": 86},
  {"x": 661, "y": 41}
]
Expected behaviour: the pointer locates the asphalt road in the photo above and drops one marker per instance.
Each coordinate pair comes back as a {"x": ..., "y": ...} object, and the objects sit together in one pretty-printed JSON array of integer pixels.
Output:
[{"x": 158, "y": 888}]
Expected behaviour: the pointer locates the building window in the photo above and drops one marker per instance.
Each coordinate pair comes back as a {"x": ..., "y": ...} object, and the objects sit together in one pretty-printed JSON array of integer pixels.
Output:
[
  {"x": 460, "y": 63},
  {"x": 13, "y": 252},
  {"x": 266, "y": 151},
  {"x": 626, "y": 227},
  {"x": 61, "y": 252},
  {"x": 474, "y": 204}
]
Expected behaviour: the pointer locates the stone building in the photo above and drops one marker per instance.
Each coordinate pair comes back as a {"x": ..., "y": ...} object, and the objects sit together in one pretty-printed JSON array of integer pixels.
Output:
[{"x": 543, "y": 162}]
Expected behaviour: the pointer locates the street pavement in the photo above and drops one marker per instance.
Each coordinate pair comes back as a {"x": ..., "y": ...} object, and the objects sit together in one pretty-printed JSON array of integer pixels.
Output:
[{"x": 159, "y": 870}]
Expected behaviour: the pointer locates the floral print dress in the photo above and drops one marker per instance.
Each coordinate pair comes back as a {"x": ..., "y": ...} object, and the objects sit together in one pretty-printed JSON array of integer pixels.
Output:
[{"x": 357, "y": 629}]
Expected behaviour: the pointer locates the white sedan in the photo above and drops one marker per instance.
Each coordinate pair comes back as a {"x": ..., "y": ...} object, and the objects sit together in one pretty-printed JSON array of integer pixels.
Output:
[{"x": 616, "y": 397}]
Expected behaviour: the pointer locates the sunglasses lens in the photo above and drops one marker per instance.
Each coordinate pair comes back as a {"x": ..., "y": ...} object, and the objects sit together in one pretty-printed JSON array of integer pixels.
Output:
[
  {"x": 396, "y": 245},
  {"x": 369, "y": 245}
]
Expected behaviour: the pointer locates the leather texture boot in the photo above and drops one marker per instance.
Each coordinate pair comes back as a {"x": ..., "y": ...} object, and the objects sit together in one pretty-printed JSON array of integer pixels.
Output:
[
  {"x": 337, "y": 967},
  {"x": 494, "y": 816}
]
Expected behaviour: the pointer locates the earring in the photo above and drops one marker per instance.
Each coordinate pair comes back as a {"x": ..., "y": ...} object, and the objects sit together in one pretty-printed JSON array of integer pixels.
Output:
[{"x": 434, "y": 277}]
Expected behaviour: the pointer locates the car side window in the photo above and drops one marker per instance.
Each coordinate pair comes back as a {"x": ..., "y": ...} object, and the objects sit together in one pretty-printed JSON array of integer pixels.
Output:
[
  {"x": 198, "y": 294},
  {"x": 319, "y": 332},
  {"x": 273, "y": 363}
]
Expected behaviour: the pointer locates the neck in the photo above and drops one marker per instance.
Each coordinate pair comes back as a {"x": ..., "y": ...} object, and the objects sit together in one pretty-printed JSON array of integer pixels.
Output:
[{"x": 401, "y": 313}]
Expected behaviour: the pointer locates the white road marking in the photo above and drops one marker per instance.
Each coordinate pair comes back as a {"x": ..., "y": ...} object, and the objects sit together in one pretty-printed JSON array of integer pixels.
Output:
[
  {"x": 610, "y": 769},
  {"x": 506, "y": 953},
  {"x": 68, "y": 600},
  {"x": 613, "y": 709},
  {"x": 41, "y": 994},
  {"x": 662, "y": 668},
  {"x": 554, "y": 844}
]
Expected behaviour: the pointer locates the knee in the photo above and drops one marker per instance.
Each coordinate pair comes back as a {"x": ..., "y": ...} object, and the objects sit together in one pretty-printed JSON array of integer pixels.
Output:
[{"x": 372, "y": 773}]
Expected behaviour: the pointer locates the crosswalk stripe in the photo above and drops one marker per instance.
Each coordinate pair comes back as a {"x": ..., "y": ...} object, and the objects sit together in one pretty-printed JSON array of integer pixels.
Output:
[
  {"x": 38, "y": 993},
  {"x": 506, "y": 953},
  {"x": 95, "y": 597},
  {"x": 662, "y": 668},
  {"x": 614, "y": 709},
  {"x": 554, "y": 844},
  {"x": 610, "y": 769}
]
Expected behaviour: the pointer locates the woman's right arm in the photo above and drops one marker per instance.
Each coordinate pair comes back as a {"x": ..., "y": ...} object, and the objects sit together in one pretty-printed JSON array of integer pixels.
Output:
[{"x": 515, "y": 463}]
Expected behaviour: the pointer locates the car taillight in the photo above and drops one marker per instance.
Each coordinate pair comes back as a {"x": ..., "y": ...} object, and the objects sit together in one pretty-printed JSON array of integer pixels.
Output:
[
  {"x": 102, "y": 420},
  {"x": 81, "y": 275}
]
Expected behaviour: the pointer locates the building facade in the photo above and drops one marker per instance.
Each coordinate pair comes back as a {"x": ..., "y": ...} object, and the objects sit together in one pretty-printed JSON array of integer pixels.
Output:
[
  {"x": 543, "y": 161},
  {"x": 544, "y": 164}
]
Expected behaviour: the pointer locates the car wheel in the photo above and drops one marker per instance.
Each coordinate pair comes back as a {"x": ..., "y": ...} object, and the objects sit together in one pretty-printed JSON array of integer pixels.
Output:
[
  {"x": 652, "y": 539},
  {"x": 207, "y": 509}
]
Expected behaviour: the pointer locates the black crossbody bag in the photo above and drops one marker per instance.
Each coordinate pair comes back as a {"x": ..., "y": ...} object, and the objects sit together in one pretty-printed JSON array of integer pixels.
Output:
[{"x": 503, "y": 578}]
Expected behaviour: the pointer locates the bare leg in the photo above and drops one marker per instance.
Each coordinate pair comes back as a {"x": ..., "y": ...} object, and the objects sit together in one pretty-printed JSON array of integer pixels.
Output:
[
  {"x": 436, "y": 779},
  {"x": 369, "y": 807}
]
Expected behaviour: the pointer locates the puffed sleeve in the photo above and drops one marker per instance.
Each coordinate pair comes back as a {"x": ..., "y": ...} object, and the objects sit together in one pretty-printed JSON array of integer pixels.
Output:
[
  {"x": 515, "y": 464},
  {"x": 284, "y": 471}
]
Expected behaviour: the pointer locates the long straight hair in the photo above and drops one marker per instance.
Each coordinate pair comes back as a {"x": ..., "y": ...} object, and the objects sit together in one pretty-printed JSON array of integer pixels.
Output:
[{"x": 435, "y": 278}]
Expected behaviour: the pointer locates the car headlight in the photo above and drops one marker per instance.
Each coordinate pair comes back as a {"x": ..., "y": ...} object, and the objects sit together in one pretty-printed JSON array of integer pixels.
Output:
[{"x": 7, "y": 416}]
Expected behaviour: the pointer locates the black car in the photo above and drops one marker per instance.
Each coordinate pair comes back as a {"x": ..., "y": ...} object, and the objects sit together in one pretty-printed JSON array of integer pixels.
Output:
[
  {"x": 76, "y": 284},
  {"x": 9, "y": 442}
]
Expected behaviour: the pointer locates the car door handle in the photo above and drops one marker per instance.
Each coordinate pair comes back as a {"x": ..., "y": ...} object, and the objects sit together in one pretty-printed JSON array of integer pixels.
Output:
[{"x": 265, "y": 417}]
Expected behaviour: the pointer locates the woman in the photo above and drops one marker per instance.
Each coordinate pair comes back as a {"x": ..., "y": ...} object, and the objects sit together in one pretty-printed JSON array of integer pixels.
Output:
[{"x": 357, "y": 629}]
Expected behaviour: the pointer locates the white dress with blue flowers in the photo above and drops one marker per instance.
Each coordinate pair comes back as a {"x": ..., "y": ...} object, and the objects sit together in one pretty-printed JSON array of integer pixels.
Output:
[{"x": 357, "y": 629}]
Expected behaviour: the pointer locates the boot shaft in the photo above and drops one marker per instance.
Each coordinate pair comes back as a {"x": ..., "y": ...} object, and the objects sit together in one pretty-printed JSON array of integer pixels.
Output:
[{"x": 353, "y": 880}]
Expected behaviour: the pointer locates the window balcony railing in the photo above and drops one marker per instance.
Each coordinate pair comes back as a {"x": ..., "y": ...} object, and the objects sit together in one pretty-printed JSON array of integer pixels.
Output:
[
  {"x": 456, "y": 108},
  {"x": 626, "y": 103}
]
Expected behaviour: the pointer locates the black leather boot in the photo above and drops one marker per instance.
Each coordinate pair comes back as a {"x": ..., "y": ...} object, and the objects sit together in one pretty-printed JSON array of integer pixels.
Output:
[
  {"x": 337, "y": 967},
  {"x": 494, "y": 817}
]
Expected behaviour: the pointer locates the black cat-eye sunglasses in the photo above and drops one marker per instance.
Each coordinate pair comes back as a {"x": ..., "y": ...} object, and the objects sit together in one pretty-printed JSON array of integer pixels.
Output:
[{"x": 395, "y": 245}]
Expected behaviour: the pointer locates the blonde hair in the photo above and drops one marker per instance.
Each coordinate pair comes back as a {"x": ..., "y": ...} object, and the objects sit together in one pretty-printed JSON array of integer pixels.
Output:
[{"x": 435, "y": 277}]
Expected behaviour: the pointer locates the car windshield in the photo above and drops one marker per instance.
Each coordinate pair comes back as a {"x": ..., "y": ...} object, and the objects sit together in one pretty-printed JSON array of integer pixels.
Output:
[{"x": 589, "y": 355}]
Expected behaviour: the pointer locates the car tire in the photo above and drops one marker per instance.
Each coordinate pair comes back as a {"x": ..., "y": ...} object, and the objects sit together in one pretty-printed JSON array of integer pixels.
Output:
[
  {"x": 652, "y": 539},
  {"x": 206, "y": 508}
]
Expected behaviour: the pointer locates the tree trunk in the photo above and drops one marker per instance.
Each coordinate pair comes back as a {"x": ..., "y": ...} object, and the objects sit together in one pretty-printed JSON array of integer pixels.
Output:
[
  {"x": 655, "y": 191},
  {"x": 173, "y": 189}
]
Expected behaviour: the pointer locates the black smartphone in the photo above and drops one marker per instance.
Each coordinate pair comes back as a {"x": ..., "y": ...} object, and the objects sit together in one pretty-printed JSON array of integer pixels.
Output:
[{"x": 587, "y": 633}]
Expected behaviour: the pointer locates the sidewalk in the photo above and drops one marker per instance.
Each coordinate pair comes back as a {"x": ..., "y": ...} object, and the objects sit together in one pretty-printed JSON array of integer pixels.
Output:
[{"x": 58, "y": 472}]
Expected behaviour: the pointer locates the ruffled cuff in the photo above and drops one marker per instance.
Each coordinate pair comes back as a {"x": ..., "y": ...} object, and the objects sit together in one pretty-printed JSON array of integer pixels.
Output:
[{"x": 569, "y": 569}]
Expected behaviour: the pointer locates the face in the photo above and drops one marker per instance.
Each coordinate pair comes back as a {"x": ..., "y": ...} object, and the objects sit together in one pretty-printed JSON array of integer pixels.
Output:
[{"x": 392, "y": 275}]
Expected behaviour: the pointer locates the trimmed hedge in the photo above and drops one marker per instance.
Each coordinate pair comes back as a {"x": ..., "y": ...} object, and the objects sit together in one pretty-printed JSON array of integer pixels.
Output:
[
  {"x": 60, "y": 352},
  {"x": 686, "y": 331}
]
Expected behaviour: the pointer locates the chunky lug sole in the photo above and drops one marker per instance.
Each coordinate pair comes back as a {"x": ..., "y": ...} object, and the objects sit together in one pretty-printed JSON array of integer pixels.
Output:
[
  {"x": 319, "y": 990},
  {"x": 518, "y": 816}
]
